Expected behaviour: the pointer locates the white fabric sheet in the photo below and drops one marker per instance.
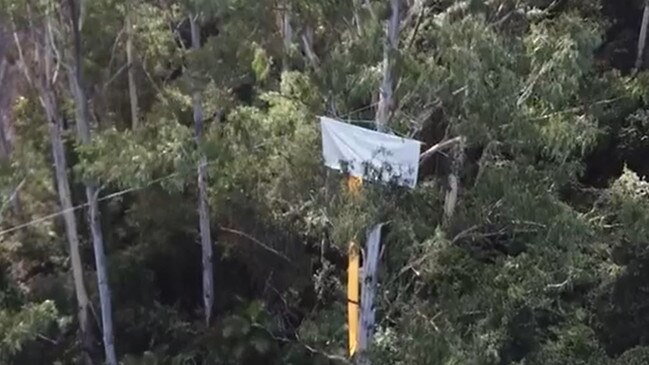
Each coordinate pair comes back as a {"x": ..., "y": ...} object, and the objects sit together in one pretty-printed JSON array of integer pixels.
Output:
[{"x": 370, "y": 154}]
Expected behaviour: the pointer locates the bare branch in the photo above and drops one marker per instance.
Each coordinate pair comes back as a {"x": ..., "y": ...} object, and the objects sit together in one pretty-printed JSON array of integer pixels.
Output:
[
  {"x": 309, "y": 348},
  {"x": 13, "y": 194},
  {"x": 369, "y": 7},
  {"x": 558, "y": 286},
  {"x": 258, "y": 242},
  {"x": 159, "y": 92},
  {"x": 21, "y": 59},
  {"x": 415, "y": 30},
  {"x": 117, "y": 73},
  {"x": 52, "y": 43},
  {"x": 439, "y": 147},
  {"x": 114, "y": 48},
  {"x": 307, "y": 44}
]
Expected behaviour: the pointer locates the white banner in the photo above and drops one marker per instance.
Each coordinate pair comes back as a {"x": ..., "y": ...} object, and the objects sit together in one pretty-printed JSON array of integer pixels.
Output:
[{"x": 370, "y": 154}]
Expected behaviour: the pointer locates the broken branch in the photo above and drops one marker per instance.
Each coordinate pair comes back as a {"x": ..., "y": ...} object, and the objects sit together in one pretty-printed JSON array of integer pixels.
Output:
[
  {"x": 253, "y": 239},
  {"x": 438, "y": 147}
]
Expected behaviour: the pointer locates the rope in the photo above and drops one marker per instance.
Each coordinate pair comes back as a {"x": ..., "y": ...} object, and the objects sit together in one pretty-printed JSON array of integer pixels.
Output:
[{"x": 80, "y": 206}]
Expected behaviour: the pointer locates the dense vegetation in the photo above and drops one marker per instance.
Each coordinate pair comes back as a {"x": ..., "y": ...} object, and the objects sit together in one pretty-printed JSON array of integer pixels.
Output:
[{"x": 543, "y": 260}]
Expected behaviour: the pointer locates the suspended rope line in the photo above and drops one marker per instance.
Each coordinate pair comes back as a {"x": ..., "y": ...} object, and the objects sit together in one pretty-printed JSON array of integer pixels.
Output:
[
  {"x": 80, "y": 206},
  {"x": 138, "y": 188},
  {"x": 344, "y": 116}
]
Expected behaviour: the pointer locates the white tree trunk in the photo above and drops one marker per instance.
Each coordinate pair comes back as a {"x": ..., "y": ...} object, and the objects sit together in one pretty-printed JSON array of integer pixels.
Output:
[
  {"x": 3, "y": 68},
  {"x": 75, "y": 76},
  {"x": 307, "y": 45},
  {"x": 450, "y": 199},
  {"x": 6, "y": 99},
  {"x": 4, "y": 143},
  {"x": 203, "y": 205},
  {"x": 287, "y": 34},
  {"x": 642, "y": 39},
  {"x": 48, "y": 100},
  {"x": 368, "y": 291},
  {"x": 132, "y": 87},
  {"x": 63, "y": 186},
  {"x": 102, "y": 275},
  {"x": 386, "y": 91}
]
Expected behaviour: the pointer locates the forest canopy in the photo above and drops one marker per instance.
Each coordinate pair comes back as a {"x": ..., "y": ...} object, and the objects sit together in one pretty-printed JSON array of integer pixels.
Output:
[{"x": 164, "y": 198}]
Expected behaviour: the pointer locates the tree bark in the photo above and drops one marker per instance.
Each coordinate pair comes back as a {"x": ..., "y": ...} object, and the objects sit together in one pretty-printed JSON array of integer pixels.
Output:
[
  {"x": 642, "y": 39},
  {"x": 83, "y": 128},
  {"x": 132, "y": 87},
  {"x": 203, "y": 205},
  {"x": 386, "y": 91}
]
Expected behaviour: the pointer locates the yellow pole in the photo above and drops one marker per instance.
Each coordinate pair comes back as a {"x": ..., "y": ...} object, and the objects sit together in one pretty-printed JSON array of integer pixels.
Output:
[
  {"x": 353, "y": 268},
  {"x": 353, "y": 296}
]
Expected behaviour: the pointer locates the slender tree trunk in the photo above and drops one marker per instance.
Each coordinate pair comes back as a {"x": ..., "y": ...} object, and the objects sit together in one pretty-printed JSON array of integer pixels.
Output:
[
  {"x": 307, "y": 44},
  {"x": 357, "y": 18},
  {"x": 48, "y": 100},
  {"x": 5, "y": 155},
  {"x": 132, "y": 87},
  {"x": 6, "y": 98},
  {"x": 3, "y": 68},
  {"x": 287, "y": 35},
  {"x": 4, "y": 143},
  {"x": 203, "y": 206},
  {"x": 102, "y": 275},
  {"x": 642, "y": 39},
  {"x": 65, "y": 199},
  {"x": 368, "y": 292},
  {"x": 386, "y": 92},
  {"x": 372, "y": 249},
  {"x": 83, "y": 128},
  {"x": 5, "y": 102}
]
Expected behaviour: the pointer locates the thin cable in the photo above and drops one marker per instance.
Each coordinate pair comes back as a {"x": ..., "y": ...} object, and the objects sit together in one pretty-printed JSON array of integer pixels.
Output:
[
  {"x": 77, "y": 207},
  {"x": 123, "y": 192},
  {"x": 344, "y": 116}
]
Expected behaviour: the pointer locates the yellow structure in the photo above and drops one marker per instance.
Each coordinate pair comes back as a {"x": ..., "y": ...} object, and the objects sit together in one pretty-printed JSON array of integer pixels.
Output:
[
  {"x": 353, "y": 296},
  {"x": 353, "y": 291}
]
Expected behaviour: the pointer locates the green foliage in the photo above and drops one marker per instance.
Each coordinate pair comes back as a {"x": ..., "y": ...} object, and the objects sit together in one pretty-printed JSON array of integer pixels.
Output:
[
  {"x": 17, "y": 328},
  {"x": 535, "y": 266},
  {"x": 637, "y": 355}
]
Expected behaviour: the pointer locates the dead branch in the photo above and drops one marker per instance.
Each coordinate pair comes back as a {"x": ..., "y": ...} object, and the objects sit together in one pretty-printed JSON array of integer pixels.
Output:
[
  {"x": 258, "y": 242},
  {"x": 439, "y": 147},
  {"x": 113, "y": 49},
  {"x": 309, "y": 348},
  {"x": 117, "y": 73},
  {"x": 415, "y": 30}
]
